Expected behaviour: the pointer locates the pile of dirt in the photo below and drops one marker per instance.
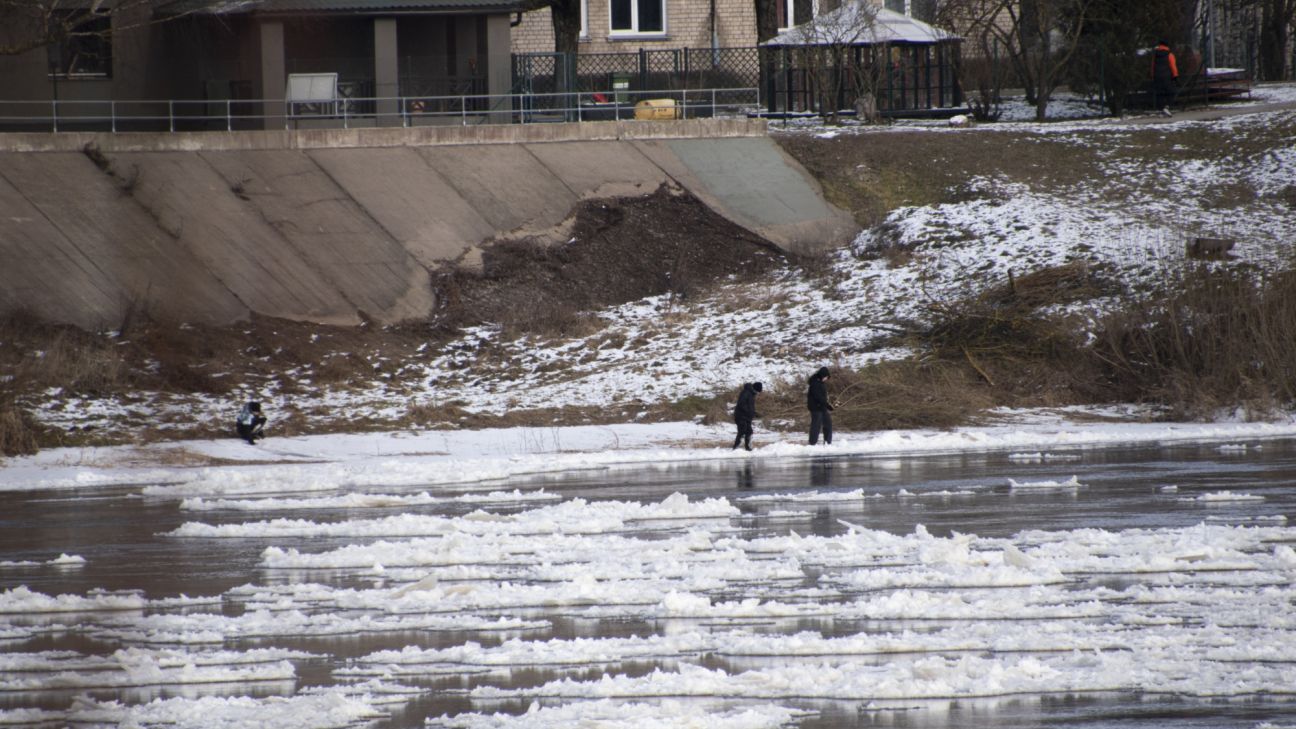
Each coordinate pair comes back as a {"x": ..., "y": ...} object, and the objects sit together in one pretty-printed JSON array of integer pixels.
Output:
[{"x": 620, "y": 250}]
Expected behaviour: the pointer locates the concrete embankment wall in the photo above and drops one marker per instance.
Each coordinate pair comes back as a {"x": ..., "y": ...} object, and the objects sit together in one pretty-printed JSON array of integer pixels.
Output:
[{"x": 336, "y": 225}]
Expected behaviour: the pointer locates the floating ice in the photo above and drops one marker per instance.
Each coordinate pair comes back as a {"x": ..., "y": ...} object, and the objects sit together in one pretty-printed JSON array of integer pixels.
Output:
[{"x": 1071, "y": 483}]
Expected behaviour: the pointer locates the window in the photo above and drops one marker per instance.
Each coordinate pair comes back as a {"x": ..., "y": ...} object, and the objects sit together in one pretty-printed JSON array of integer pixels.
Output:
[
  {"x": 86, "y": 48},
  {"x": 638, "y": 16},
  {"x": 792, "y": 13}
]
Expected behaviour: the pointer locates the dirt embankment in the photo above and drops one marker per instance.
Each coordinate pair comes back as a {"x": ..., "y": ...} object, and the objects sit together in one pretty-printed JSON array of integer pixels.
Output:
[{"x": 619, "y": 250}]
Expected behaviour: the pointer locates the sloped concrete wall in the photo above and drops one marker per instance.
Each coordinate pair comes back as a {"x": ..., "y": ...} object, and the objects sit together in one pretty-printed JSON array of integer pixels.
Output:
[
  {"x": 320, "y": 226},
  {"x": 107, "y": 242}
]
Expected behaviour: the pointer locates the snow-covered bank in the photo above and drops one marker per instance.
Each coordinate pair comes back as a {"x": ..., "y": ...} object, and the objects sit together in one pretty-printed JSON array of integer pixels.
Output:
[{"x": 368, "y": 460}]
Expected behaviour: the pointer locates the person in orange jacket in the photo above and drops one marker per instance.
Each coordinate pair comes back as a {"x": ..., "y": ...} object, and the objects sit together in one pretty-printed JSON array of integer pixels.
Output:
[{"x": 1165, "y": 76}]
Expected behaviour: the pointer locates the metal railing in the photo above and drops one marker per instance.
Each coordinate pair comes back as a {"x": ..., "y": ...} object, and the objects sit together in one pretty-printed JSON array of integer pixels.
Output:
[{"x": 347, "y": 112}]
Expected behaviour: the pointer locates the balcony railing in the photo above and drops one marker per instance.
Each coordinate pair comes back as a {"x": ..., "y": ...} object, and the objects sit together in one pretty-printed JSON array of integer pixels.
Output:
[{"x": 175, "y": 115}]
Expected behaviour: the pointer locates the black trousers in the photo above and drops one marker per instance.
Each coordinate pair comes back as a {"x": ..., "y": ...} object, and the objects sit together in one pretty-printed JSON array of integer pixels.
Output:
[
  {"x": 1163, "y": 93},
  {"x": 250, "y": 432},
  {"x": 820, "y": 420},
  {"x": 744, "y": 432}
]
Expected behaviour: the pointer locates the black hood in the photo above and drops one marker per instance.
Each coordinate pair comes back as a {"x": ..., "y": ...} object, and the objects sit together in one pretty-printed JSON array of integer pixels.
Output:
[{"x": 819, "y": 374}]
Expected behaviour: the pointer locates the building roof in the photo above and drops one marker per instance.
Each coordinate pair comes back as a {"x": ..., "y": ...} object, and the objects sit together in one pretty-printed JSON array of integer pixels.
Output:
[
  {"x": 228, "y": 7},
  {"x": 860, "y": 23}
]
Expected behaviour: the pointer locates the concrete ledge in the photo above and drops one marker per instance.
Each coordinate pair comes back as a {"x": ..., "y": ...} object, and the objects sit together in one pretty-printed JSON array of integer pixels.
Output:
[{"x": 381, "y": 137}]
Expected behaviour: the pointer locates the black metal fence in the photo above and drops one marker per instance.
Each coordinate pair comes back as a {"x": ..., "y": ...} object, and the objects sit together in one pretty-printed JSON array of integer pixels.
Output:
[
  {"x": 679, "y": 68},
  {"x": 913, "y": 78}
]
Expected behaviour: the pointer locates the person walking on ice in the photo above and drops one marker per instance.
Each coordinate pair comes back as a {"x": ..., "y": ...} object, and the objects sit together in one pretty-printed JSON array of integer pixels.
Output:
[
  {"x": 250, "y": 422},
  {"x": 819, "y": 407},
  {"x": 745, "y": 412}
]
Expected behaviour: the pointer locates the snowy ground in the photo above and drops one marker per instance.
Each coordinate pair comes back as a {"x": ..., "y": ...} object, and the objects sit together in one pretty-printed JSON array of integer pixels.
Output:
[
  {"x": 1201, "y": 613},
  {"x": 1133, "y": 221},
  {"x": 458, "y": 457}
]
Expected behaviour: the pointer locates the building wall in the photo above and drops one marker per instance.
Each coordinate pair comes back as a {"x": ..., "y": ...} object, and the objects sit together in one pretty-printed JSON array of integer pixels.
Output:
[
  {"x": 688, "y": 25},
  {"x": 199, "y": 57}
]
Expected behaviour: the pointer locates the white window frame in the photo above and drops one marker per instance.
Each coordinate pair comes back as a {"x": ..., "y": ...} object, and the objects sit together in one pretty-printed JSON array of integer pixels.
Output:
[
  {"x": 788, "y": 21},
  {"x": 584, "y": 19},
  {"x": 634, "y": 32}
]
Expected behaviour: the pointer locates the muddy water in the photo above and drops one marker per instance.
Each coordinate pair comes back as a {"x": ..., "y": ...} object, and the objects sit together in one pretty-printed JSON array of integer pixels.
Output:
[{"x": 118, "y": 531}]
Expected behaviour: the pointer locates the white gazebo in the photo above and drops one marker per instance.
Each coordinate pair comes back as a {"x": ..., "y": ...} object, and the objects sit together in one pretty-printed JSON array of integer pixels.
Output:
[{"x": 915, "y": 64}]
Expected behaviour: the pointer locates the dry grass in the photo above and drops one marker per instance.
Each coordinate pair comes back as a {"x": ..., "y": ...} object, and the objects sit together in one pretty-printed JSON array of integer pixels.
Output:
[
  {"x": 39, "y": 357},
  {"x": 1212, "y": 338},
  {"x": 19, "y": 434},
  {"x": 887, "y": 395}
]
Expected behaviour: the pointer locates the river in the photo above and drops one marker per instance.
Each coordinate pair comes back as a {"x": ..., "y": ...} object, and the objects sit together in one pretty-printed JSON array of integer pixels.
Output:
[{"x": 135, "y": 544}]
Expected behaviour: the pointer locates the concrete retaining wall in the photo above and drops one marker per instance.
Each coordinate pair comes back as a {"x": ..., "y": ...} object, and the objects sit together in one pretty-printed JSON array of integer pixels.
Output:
[{"x": 333, "y": 225}]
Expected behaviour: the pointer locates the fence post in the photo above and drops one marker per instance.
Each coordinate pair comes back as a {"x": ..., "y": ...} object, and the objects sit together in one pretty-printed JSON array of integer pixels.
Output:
[
  {"x": 229, "y": 122},
  {"x": 171, "y": 113},
  {"x": 463, "y": 111},
  {"x": 713, "y": 109},
  {"x": 112, "y": 116},
  {"x": 54, "y": 113}
]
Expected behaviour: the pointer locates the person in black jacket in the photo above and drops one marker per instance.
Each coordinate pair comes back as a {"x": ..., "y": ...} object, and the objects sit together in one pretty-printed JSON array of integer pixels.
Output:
[
  {"x": 745, "y": 412},
  {"x": 250, "y": 422},
  {"x": 817, "y": 403},
  {"x": 1165, "y": 77}
]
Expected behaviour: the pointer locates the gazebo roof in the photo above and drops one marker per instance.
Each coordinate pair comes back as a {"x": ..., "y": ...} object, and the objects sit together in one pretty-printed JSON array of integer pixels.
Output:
[{"x": 858, "y": 22}]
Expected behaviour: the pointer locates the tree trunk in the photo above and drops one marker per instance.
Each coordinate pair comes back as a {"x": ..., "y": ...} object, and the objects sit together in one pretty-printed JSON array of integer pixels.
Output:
[
  {"x": 566, "y": 18},
  {"x": 1275, "y": 22},
  {"x": 1183, "y": 37},
  {"x": 767, "y": 20}
]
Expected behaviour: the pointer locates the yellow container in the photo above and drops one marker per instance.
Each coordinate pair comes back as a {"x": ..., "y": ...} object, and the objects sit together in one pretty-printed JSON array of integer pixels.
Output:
[{"x": 655, "y": 109}]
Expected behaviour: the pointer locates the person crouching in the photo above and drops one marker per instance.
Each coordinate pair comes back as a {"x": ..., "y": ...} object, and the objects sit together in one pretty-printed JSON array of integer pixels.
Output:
[
  {"x": 745, "y": 411},
  {"x": 250, "y": 422}
]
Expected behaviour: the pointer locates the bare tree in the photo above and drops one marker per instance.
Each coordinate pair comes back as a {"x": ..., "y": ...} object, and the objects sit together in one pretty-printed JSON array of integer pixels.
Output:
[
  {"x": 566, "y": 18},
  {"x": 979, "y": 73},
  {"x": 1044, "y": 36},
  {"x": 1039, "y": 38},
  {"x": 1276, "y": 17},
  {"x": 767, "y": 20}
]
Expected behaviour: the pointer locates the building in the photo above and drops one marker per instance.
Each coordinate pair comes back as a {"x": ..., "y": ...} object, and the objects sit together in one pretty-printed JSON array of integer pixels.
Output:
[
  {"x": 263, "y": 64},
  {"x": 624, "y": 26}
]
